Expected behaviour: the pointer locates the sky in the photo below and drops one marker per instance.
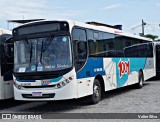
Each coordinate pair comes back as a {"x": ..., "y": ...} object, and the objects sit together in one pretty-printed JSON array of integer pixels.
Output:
[{"x": 129, "y": 13}]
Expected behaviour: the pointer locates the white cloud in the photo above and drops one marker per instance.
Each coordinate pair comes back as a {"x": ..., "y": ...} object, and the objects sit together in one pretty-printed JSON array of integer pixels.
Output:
[
  {"x": 31, "y": 9},
  {"x": 10, "y": 9},
  {"x": 112, "y": 6}
]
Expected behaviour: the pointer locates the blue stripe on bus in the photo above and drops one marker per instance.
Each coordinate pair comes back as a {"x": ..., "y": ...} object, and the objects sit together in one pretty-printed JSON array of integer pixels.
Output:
[
  {"x": 93, "y": 67},
  {"x": 51, "y": 80},
  {"x": 55, "y": 79}
]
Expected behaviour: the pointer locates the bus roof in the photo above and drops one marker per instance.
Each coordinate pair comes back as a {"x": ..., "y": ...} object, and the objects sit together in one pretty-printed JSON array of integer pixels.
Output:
[
  {"x": 98, "y": 28},
  {"x": 109, "y": 30}
]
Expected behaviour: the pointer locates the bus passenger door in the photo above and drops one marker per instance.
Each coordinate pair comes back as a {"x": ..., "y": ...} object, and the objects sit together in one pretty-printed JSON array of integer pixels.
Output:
[{"x": 80, "y": 65}]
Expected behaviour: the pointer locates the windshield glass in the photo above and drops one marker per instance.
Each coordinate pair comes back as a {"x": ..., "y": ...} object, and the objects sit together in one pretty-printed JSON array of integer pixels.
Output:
[{"x": 42, "y": 54}]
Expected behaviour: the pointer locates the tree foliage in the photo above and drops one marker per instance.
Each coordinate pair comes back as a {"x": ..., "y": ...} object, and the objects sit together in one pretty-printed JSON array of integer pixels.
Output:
[{"x": 153, "y": 37}]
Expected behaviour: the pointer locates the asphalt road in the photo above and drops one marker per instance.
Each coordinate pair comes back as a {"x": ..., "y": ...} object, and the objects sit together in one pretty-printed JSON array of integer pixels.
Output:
[{"x": 124, "y": 100}]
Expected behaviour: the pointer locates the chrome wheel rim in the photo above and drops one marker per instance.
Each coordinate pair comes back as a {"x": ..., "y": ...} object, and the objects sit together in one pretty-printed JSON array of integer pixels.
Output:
[
  {"x": 141, "y": 81},
  {"x": 96, "y": 91}
]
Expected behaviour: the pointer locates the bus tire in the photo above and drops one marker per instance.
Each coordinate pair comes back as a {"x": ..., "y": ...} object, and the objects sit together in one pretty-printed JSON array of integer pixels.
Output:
[
  {"x": 140, "y": 80},
  {"x": 97, "y": 94}
]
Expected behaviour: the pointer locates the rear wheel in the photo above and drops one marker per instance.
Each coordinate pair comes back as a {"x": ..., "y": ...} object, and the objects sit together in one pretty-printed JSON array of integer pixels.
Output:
[
  {"x": 96, "y": 96},
  {"x": 140, "y": 80}
]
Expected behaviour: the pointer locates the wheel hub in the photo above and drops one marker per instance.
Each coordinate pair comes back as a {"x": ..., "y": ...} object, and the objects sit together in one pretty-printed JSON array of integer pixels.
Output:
[{"x": 96, "y": 91}]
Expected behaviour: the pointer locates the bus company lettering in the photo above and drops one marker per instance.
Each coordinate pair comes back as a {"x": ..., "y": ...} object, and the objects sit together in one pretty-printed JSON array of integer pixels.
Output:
[
  {"x": 124, "y": 67},
  {"x": 45, "y": 82}
]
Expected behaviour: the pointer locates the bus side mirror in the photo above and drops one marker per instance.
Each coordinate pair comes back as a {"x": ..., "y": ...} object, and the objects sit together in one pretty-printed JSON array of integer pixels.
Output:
[{"x": 81, "y": 47}]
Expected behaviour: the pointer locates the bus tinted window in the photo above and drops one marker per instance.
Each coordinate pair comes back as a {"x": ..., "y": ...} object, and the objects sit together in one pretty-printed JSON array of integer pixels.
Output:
[
  {"x": 102, "y": 44},
  {"x": 139, "y": 50},
  {"x": 79, "y": 34},
  {"x": 150, "y": 48}
]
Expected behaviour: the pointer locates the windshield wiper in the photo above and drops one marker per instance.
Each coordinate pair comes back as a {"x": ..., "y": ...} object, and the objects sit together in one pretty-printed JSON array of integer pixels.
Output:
[
  {"x": 45, "y": 45},
  {"x": 31, "y": 52},
  {"x": 29, "y": 48},
  {"x": 41, "y": 51}
]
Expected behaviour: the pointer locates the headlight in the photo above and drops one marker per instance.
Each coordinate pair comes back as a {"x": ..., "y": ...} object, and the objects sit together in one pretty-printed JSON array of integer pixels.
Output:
[
  {"x": 58, "y": 86},
  {"x": 18, "y": 86},
  {"x": 63, "y": 83}
]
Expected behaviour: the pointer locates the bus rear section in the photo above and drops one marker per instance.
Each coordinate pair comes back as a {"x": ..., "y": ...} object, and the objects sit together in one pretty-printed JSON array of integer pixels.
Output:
[
  {"x": 157, "y": 57},
  {"x": 6, "y": 67}
]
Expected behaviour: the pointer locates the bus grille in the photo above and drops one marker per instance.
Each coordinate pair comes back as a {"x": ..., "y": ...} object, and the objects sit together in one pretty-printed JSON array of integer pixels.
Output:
[
  {"x": 45, "y": 86},
  {"x": 29, "y": 96}
]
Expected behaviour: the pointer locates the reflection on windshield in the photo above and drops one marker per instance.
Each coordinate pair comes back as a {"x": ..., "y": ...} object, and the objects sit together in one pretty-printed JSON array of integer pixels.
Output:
[{"x": 42, "y": 54}]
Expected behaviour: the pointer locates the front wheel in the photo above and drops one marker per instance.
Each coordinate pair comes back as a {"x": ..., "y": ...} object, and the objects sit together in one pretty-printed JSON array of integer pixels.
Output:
[{"x": 96, "y": 96}]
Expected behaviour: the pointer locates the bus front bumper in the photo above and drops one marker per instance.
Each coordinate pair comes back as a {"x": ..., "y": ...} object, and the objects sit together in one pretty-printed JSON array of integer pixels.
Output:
[{"x": 46, "y": 94}]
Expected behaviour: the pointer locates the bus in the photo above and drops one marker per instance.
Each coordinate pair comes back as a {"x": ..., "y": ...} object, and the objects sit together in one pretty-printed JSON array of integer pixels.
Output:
[
  {"x": 65, "y": 59},
  {"x": 6, "y": 65}
]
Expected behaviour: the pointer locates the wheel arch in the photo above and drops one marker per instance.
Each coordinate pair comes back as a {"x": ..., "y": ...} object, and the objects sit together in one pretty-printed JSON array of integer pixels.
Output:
[{"x": 101, "y": 80}]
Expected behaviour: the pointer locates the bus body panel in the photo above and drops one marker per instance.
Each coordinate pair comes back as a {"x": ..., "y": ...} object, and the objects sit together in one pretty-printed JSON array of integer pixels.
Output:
[
  {"x": 2, "y": 91},
  {"x": 108, "y": 68},
  {"x": 149, "y": 70},
  {"x": 66, "y": 92},
  {"x": 6, "y": 89}
]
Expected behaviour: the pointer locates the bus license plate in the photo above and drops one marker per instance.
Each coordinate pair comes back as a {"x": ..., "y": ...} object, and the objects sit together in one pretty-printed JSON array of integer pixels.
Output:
[{"x": 36, "y": 94}]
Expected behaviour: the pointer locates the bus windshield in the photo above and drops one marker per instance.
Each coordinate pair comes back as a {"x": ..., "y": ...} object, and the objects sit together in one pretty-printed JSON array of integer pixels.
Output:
[{"x": 42, "y": 54}]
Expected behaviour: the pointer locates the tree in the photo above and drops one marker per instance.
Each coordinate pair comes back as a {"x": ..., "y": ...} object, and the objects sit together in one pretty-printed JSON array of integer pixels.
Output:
[
  {"x": 158, "y": 40},
  {"x": 153, "y": 37}
]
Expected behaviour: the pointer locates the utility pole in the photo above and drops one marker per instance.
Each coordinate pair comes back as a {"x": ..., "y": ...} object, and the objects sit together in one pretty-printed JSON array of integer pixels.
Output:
[{"x": 143, "y": 24}]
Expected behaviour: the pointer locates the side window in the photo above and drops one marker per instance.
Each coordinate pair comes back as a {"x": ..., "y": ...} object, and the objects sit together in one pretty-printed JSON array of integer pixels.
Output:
[
  {"x": 119, "y": 40},
  {"x": 79, "y": 47},
  {"x": 79, "y": 34},
  {"x": 127, "y": 43},
  {"x": 128, "y": 51},
  {"x": 136, "y": 50},
  {"x": 142, "y": 50},
  {"x": 109, "y": 44},
  {"x": 91, "y": 42},
  {"x": 99, "y": 43},
  {"x": 103, "y": 44},
  {"x": 136, "y": 41},
  {"x": 150, "y": 50}
]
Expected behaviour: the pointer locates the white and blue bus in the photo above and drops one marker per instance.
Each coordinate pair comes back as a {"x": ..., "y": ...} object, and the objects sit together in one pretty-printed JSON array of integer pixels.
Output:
[
  {"x": 57, "y": 60},
  {"x": 6, "y": 65}
]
